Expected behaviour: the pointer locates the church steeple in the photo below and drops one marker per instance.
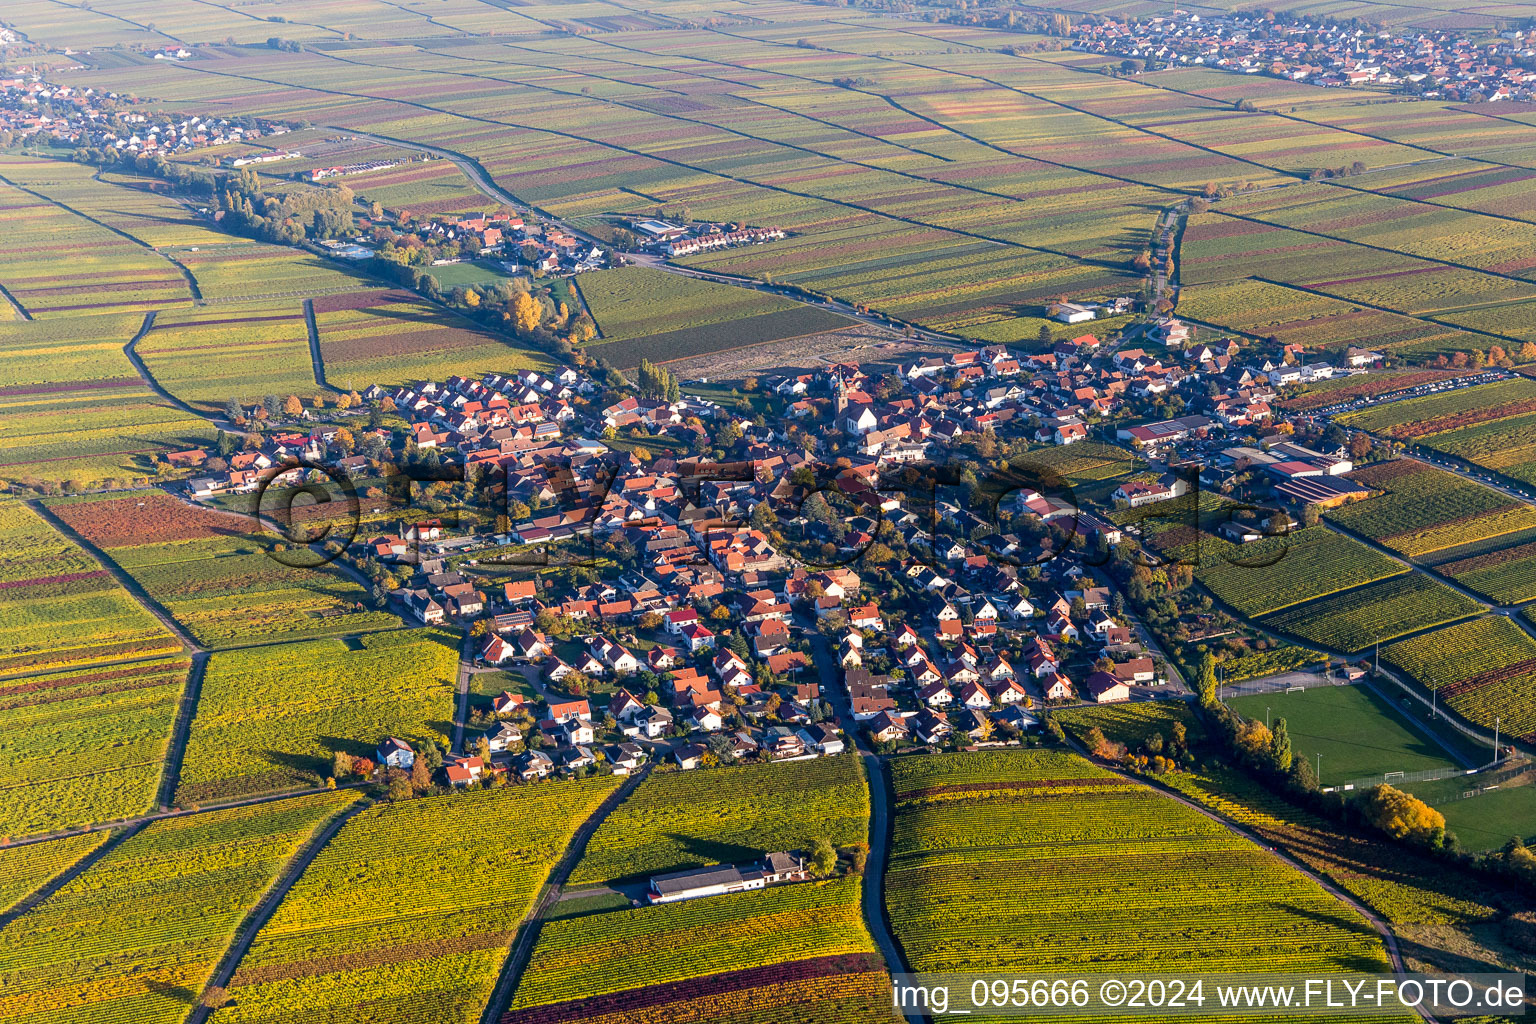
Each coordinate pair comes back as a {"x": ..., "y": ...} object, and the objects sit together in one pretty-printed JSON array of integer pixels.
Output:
[{"x": 839, "y": 393}]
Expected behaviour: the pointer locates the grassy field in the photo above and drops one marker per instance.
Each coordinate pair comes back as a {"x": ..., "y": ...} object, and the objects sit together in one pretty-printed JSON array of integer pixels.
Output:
[
  {"x": 1357, "y": 732},
  {"x": 1483, "y": 669},
  {"x": 1486, "y": 821},
  {"x": 424, "y": 929}
]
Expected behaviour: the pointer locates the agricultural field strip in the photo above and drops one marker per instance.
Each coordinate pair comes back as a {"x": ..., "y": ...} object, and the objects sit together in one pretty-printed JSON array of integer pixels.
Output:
[
  {"x": 1152, "y": 83},
  {"x": 717, "y": 173},
  {"x": 148, "y": 921},
  {"x": 321, "y": 947},
  {"x": 186, "y": 274},
  {"x": 894, "y": 103},
  {"x": 1140, "y": 81},
  {"x": 912, "y": 220},
  {"x": 945, "y": 857}
]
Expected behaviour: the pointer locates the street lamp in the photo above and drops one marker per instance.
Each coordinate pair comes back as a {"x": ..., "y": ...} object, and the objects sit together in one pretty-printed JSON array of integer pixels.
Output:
[
  {"x": 1319, "y": 769},
  {"x": 1266, "y": 716}
]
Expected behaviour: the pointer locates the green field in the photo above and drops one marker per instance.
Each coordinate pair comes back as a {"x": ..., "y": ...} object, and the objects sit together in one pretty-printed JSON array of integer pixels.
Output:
[
  {"x": 796, "y": 952},
  {"x": 59, "y": 606},
  {"x": 270, "y": 718},
  {"x": 634, "y": 302},
  {"x": 426, "y": 926},
  {"x": 1268, "y": 575},
  {"x": 225, "y": 585},
  {"x": 86, "y": 745},
  {"x": 1375, "y": 613},
  {"x": 73, "y": 410},
  {"x": 686, "y": 819},
  {"x": 1358, "y": 732},
  {"x": 1483, "y": 669},
  {"x": 1486, "y": 821},
  {"x": 28, "y": 868},
  {"x": 1109, "y": 857},
  {"x": 137, "y": 935},
  {"x": 661, "y": 316}
]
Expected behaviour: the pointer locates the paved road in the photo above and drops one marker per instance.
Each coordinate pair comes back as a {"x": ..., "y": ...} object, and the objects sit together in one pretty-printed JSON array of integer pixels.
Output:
[
  {"x": 258, "y": 917},
  {"x": 512, "y": 968},
  {"x": 874, "y": 873}
]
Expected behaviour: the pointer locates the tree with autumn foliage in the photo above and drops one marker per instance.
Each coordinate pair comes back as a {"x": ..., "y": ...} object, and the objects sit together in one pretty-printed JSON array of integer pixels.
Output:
[{"x": 1401, "y": 815}]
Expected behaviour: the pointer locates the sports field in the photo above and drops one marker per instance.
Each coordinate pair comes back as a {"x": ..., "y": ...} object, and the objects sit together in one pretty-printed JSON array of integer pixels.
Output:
[{"x": 1358, "y": 732}]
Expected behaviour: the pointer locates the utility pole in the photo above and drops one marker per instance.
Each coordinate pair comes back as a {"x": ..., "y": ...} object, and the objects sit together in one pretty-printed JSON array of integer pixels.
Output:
[
  {"x": 1266, "y": 716},
  {"x": 1496, "y": 722},
  {"x": 1319, "y": 770}
]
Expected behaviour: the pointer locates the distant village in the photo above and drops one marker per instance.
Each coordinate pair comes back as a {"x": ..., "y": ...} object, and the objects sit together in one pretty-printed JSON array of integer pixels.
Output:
[
  {"x": 765, "y": 591},
  {"x": 1435, "y": 65}
]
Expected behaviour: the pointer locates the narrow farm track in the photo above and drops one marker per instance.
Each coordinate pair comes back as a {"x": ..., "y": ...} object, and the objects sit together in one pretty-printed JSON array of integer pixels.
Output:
[
  {"x": 872, "y": 890},
  {"x": 21, "y": 310},
  {"x": 144, "y": 819},
  {"x": 315, "y": 358},
  {"x": 528, "y": 934},
  {"x": 181, "y": 730},
  {"x": 263, "y": 911},
  {"x": 131, "y": 350},
  {"x": 75, "y": 871}
]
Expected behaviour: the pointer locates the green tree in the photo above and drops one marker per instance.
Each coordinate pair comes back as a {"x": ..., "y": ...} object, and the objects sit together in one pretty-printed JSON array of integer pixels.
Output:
[
  {"x": 1205, "y": 682},
  {"x": 823, "y": 858},
  {"x": 1280, "y": 747}
]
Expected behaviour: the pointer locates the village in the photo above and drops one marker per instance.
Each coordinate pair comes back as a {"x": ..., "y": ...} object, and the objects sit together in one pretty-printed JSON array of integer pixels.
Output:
[
  {"x": 679, "y": 582},
  {"x": 1332, "y": 54}
]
